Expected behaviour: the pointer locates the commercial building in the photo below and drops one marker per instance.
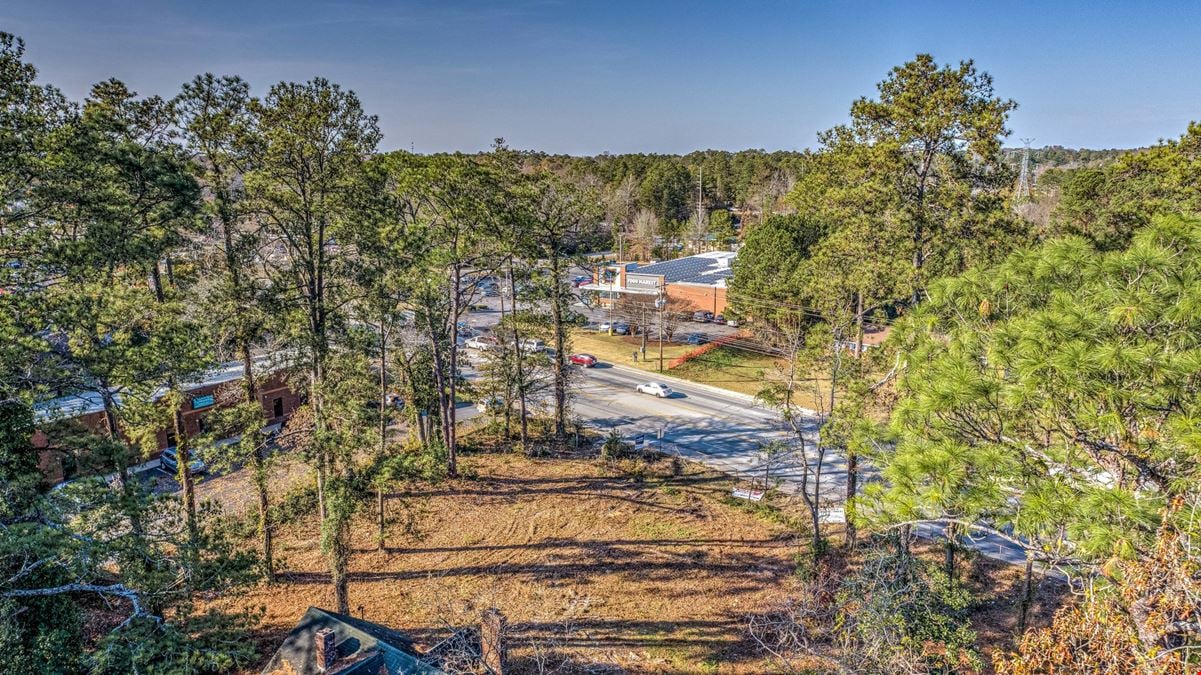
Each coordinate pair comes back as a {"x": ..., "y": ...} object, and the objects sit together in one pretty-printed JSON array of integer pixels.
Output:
[
  {"x": 697, "y": 282},
  {"x": 87, "y": 409}
]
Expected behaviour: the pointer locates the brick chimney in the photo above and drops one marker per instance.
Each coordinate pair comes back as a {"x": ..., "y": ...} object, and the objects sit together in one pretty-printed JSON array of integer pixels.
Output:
[
  {"x": 492, "y": 641},
  {"x": 325, "y": 652}
]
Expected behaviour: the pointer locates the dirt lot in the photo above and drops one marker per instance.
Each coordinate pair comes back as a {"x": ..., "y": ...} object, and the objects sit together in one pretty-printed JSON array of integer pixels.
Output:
[
  {"x": 611, "y": 568},
  {"x": 651, "y": 575}
]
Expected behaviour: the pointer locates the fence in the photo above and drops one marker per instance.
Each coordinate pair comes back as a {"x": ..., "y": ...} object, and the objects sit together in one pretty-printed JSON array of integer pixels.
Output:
[{"x": 703, "y": 349}]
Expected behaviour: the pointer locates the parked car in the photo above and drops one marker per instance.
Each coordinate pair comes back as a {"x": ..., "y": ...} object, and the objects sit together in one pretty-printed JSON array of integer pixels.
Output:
[
  {"x": 531, "y": 345},
  {"x": 481, "y": 342},
  {"x": 580, "y": 281},
  {"x": 490, "y": 406},
  {"x": 696, "y": 338},
  {"x": 654, "y": 389},
  {"x": 584, "y": 360},
  {"x": 702, "y": 317},
  {"x": 719, "y": 319},
  {"x": 490, "y": 291},
  {"x": 169, "y": 462},
  {"x": 618, "y": 328},
  {"x": 731, "y": 323}
]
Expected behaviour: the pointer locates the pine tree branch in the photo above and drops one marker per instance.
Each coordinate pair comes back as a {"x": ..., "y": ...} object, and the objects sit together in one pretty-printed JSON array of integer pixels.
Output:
[{"x": 120, "y": 590}]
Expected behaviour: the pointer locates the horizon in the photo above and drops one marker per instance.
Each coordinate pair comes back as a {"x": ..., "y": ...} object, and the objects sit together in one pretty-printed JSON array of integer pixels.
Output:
[{"x": 588, "y": 79}]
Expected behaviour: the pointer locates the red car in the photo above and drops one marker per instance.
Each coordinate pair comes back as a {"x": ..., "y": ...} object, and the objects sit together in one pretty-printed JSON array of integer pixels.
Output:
[{"x": 585, "y": 360}]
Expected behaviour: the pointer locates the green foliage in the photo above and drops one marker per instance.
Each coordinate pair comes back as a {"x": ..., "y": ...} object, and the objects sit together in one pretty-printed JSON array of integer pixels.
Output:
[
  {"x": 1056, "y": 392},
  {"x": 666, "y": 191},
  {"x": 721, "y": 226},
  {"x": 41, "y": 636},
  {"x": 414, "y": 463},
  {"x": 1109, "y": 204},
  {"x": 897, "y": 613}
]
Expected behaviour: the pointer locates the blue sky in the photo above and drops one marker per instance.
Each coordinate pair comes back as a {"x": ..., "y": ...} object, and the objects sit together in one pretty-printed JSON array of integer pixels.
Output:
[{"x": 585, "y": 77}]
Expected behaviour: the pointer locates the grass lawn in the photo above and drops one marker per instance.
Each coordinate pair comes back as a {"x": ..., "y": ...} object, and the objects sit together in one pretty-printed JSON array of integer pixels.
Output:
[
  {"x": 733, "y": 369},
  {"x": 726, "y": 367},
  {"x": 619, "y": 348}
]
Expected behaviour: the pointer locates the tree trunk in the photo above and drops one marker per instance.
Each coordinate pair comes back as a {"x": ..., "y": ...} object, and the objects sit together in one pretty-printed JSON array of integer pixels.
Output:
[
  {"x": 441, "y": 386},
  {"x": 521, "y": 388},
  {"x": 114, "y": 435},
  {"x": 849, "y": 509},
  {"x": 508, "y": 385},
  {"x": 379, "y": 497},
  {"x": 183, "y": 472},
  {"x": 259, "y": 464},
  {"x": 340, "y": 552},
  {"x": 852, "y": 457},
  {"x": 560, "y": 347},
  {"x": 949, "y": 560},
  {"x": 383, "y": 388},
  {"x": 452, "y": 441},
  {"x": 1027, "y": 596}
]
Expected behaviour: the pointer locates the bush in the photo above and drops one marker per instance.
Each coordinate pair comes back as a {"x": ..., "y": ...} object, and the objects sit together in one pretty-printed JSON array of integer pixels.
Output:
[{"x": 898, "y": 613}]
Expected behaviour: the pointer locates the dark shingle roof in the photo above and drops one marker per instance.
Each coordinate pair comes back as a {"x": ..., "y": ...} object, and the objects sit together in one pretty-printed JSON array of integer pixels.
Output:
[{"x": 363, "y": 647}]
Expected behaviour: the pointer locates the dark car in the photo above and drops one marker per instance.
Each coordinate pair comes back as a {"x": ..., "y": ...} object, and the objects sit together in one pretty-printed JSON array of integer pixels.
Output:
[
  {"x": 720, "y": 320},
  {"x": 696, "y": 338},
  {"x": 702, "y": 317},
  {"x": 169, "y": 462},
  {"x": 580, "y": 281}
]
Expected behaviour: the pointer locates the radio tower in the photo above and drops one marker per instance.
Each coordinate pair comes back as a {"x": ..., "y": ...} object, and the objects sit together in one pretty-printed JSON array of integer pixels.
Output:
[{"x": 1023, "y": 193}]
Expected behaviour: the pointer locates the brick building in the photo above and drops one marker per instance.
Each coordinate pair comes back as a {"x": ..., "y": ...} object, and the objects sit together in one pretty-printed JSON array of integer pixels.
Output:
[
  {"x": 277, "y": 399},
  {"x": 697, "y": 282}
]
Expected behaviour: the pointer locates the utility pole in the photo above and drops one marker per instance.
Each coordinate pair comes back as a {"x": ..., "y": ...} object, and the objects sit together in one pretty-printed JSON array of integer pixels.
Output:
[{"x": 660, "y": 302}]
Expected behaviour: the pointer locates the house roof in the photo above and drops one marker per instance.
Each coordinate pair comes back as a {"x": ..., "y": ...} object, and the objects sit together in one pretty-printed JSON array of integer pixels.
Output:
[
  {"x": 363, "y": 647},
  {"x": 711, "y": 269}
]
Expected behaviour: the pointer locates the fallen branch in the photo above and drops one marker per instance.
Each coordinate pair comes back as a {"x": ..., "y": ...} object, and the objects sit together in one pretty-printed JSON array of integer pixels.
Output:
[{"x": 120, "y": 590}]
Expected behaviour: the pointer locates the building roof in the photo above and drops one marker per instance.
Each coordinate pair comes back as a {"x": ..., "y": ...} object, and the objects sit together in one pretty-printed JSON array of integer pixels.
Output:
[
  {"x": 363, "y": 647},
  {"x": 87, "y": 403},
  {"x": 710, "y": 269}
]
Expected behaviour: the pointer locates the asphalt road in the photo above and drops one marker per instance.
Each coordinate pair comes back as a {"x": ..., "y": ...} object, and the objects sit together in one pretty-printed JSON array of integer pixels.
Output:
[{"x": 726, "y": 431}]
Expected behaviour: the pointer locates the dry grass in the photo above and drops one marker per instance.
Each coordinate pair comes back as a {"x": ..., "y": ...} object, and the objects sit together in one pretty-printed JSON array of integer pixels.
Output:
[
  {"x": 652, "y": 574},
  {"x": 619, "y": 349},
  {"x": 619, "y": 565}
]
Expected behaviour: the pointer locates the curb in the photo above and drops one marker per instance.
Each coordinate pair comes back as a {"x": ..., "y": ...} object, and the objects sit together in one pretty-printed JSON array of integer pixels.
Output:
[
  {"x": 651, "y": 374},
  {"x": 707, "y": 387}
]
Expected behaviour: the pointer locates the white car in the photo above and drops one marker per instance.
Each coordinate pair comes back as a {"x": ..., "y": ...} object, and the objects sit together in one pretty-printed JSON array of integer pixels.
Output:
[
  {"x": 480, "y": 342},
  {"x": 654, "y": 389},
  {"x": 490, "y": 406},
  {"x": 533, "y": 345}
]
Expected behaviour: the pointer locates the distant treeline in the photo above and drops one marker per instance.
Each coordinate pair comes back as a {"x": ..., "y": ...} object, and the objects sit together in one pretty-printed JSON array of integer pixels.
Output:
[{"x": 1057, "y": 156}]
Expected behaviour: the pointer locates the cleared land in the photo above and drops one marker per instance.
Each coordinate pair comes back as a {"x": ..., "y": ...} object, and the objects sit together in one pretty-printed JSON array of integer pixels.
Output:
[
  {"x": 652, "y": 575},
  {"x": 600, "y": 567}
]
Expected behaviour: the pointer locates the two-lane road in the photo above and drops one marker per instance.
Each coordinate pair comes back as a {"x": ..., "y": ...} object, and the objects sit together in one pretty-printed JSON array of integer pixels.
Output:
[{"x": 724, "y": 430}]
